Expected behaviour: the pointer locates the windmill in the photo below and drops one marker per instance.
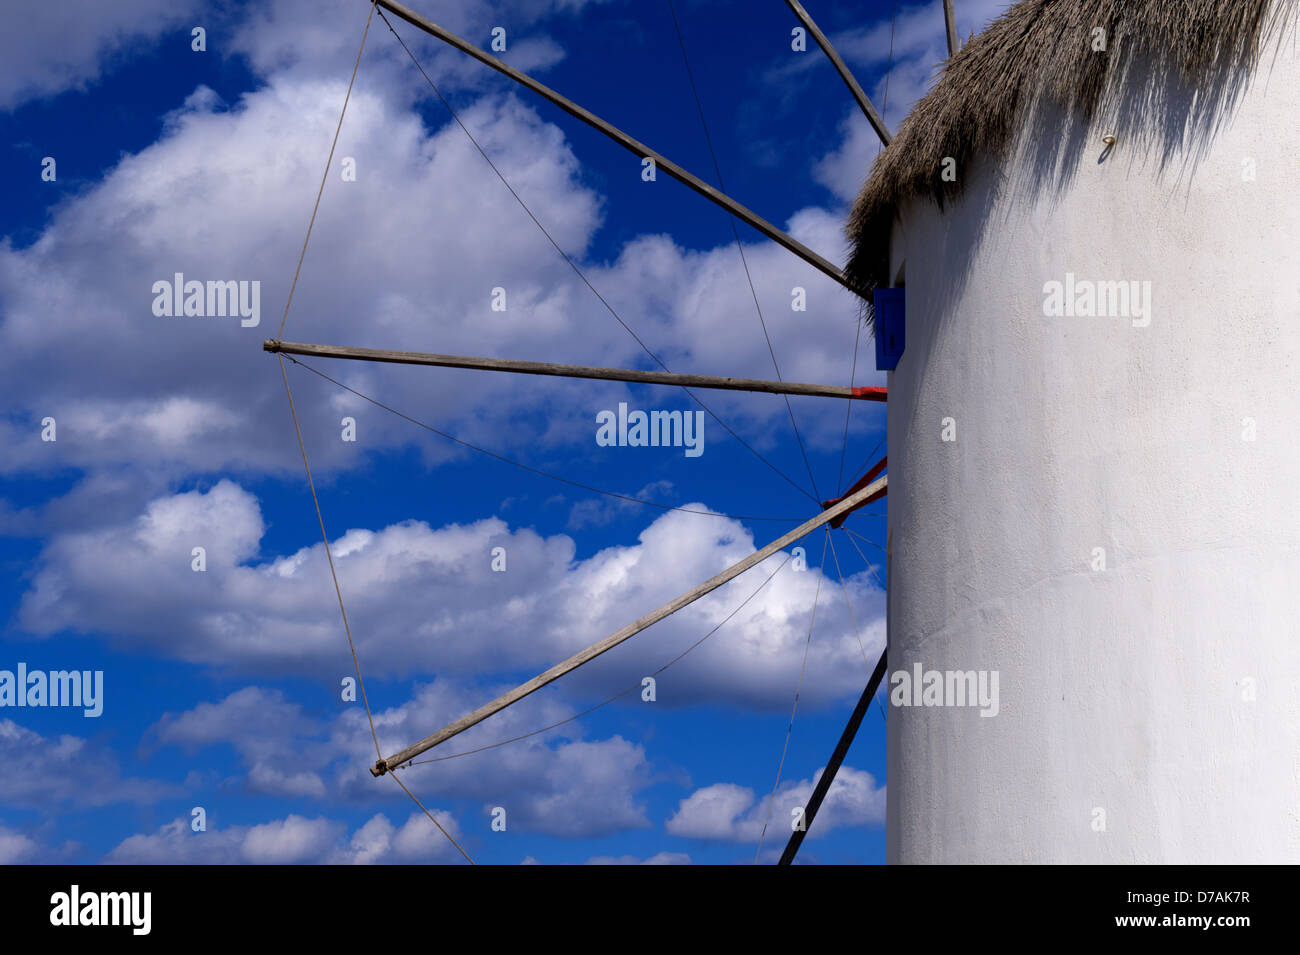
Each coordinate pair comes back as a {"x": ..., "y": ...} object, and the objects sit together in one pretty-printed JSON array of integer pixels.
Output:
[
  {"x": 871, "y": 487},
  {"x": 1102, "y": 309},
  {"x": 975, "y": 538}
]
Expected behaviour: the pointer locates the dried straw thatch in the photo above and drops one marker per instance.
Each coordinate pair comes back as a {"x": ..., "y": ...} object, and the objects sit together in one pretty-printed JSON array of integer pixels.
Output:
[{"x": 1042, "y": 51}]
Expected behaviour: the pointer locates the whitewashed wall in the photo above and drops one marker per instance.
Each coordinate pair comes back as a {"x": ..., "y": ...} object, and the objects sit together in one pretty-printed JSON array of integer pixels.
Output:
[{"x": 1125, "y": 691}]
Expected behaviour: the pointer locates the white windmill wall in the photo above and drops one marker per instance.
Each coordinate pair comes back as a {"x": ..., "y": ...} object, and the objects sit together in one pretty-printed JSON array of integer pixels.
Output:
[{"x": 1124, "y": 690}]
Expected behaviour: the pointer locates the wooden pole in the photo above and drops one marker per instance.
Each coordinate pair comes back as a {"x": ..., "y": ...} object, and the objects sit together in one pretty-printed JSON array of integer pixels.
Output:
[
  {"x": 837, "y": 757},
  {"x": 614, "y": 639},
  {"x": 627, "y": 142},
  {"x": 874, "y": 118},
  {"x": 865, "y": 393},
  {"x": 861, "y": 482},
  {"x": 950, "y": 21}
]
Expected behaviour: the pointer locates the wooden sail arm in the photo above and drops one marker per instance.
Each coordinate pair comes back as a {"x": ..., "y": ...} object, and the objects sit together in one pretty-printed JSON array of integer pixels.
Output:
[
  {"x": 627, "y": 142},
  {"x": 950, "y": 26},
  {"x": 577, "y": 371},
  {"x": 614, "y": 639},
  {"x": 837, "y": 757},
  {"x": 877, "y": 123}
]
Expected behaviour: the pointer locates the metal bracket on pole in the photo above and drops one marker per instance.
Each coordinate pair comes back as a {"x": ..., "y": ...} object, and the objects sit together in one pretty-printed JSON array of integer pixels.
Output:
[{"x": 861, "y": 483}]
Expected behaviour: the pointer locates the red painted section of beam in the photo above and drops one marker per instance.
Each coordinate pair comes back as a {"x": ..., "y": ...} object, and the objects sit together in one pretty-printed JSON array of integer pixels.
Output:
[
  {"x": 871, "y": 393},
  {"x": 857, "y": 486}
]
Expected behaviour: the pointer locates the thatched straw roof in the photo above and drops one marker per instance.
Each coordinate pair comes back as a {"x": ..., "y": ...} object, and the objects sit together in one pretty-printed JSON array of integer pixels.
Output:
[{"x": 1038, "y": 51}]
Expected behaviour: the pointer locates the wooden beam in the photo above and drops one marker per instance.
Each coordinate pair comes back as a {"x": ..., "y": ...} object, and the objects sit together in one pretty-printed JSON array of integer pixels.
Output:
[
  {"x": 950, "y": 21},
  {"x": 614, "y": 639},
  {"x": 860, "y": 483},
  {"x": 837, "y": 757},
  {"x": 874, "y": 118},
  {"x": 576, "y": 371},
  {"x": 627, "y": 142}
]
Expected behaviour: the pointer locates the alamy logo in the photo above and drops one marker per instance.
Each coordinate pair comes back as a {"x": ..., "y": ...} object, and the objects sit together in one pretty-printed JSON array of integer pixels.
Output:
[
  {"x": 213, "y": 299},
  {"x": 922, "y": 687},
  {"x": 1087, "y": 299},
  {"x": 83, "y": 688},
  {"x": 75, "y": 907},
  {"x": 657, "y": 429}
]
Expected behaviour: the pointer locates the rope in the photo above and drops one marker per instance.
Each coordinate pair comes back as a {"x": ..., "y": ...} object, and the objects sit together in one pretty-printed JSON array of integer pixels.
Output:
[
  {"x": 330, "y": 557},
  {"x": 871, "y": 459},
  {"x": 431, "y": 817},
  {"x": 884, "y": 100},
  {"x": 303, "y": 447},
  {"x": 573, "y": 265},
  {"x": 864, "y": 558},
  {"x": 526, "y": 467},
  {"x": 848, "y": 409},
  {"x": 845, "y": 590},
  {"x": 325, "y": 175},
  {"x": 865, "y": 540},
  {"x": 577, "y": 271},
  {"x": 621, "y": 693},
  {"x": 794, "y": 709},
  {"x": 880, "y": 706},
  {"x": 731, "y": 220}
]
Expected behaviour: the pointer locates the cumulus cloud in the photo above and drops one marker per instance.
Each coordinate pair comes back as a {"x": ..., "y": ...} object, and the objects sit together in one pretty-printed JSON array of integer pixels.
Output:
[
  {"x": 143, "y": 402},
  {"x": 71, "y": 44},
  {"x": 53, "y": 47},
  {"x": 559, "y": 784},
  {"x": 725, "y": 812},
  {"x": 265, "y": 729},
  {"x": 659, "y": 858},
  {"x": 28, "y": 846},
  {"x": 293, "y": 840},
  {"x": 67, "y": 770},
  {"x": 911, "y": 51},
  {"x": 416, "y": 840},
  {"x": 16, "y": 847},
  {"x": 223, "y": 196},
  {"x": 189, "y": 203},
  {"x": 424, "y": 600},
  {"x": 307, "y": 38}
]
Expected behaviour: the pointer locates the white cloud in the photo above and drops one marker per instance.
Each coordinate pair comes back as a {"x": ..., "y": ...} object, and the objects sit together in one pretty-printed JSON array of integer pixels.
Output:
[
  {"x": 209, "y": 202},
  {"x": 726, "y": 812},
  {"x": 556, "y": 783},
  {"x": 919, "y": 49},
  {"x": 29, "y": 848},
  {"x": 16, "y": 847},
  {"x": 559, "y": 784},
  {"x": 319, "y": 38},
  {"x": 844, "y": 170},
  {"x": 710, "y": 813},
  {"x": 602, "y": 511},
  {"x": 264, "y": 728},
  {"x": 293, "y": 840},
  {"x": 47, "y": 771},
  {"x": 660, "y": 858},
  {"x": 224, "y": 195},
  {"x": 52, "y": 47},
  {"x": 423, "y": 600},
  {"x": 287, "y": 841}
]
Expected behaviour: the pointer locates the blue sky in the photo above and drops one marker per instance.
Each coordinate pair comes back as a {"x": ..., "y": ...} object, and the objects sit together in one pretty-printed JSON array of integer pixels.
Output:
[{"x": 222, "y": 688}]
